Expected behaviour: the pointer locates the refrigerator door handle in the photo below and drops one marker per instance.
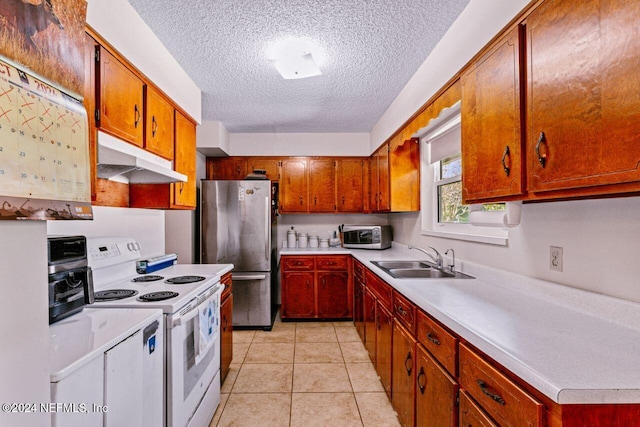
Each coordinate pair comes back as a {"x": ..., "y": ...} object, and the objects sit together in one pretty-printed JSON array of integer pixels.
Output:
[
  {"x": 248, "y": 276},
  {"x": 266, "y": 227}
]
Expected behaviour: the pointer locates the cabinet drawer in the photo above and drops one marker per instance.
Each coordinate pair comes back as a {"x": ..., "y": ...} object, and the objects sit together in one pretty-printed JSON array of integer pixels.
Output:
[
  {"x": 298, "y": 264},
  {"x": 358, "y": 271},
  {"x": 404, "y": 311},
  {"x": 440, "y": 343},
  {"x": 380, "y": 289},
  {"x": 501, "y": 398},
  {"x": 471, "y": 414},
  {"x": 226, "y": 280},
  {"x": 332, "y": 263}
]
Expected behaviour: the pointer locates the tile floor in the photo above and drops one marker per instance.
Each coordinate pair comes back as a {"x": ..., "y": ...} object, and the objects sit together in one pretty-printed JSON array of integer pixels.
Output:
[{"x": 302, "y": 374}]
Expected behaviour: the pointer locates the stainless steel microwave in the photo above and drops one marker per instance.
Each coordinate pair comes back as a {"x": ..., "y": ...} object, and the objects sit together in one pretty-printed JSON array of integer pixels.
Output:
[{"x": 367, "y": 236}]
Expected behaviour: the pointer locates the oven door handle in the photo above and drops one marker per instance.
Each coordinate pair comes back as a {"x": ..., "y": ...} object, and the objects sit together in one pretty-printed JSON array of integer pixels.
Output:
[{"x": 184, "y": 319}]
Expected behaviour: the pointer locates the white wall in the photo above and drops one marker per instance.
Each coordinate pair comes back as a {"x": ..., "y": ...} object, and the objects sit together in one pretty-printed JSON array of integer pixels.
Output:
[
  {"x": 299, "y": 144},
  {"x": 212, "y": 138},
  {"x": 599, "y": 237},
  {"x": 24, "y": 320},
  {"x": 144, "y": 225},
  {"x": 119, "y": 23}
]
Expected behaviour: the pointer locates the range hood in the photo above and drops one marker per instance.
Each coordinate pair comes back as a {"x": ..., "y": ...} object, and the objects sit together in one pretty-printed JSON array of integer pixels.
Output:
[{"x": 123, "y": 162}]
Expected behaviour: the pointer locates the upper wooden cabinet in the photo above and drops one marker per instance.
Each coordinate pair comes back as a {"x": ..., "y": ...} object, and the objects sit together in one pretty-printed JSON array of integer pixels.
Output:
[
  {"x": 226, "y": 168},
  {"x": 404, "y": 175},
  {"x": 294, "y": 186},
  {"x": 120, "y": 97},
  {"x": 350, "y": 178},
  {"x": 184, "y": 193},
  {"x": 583, "y": 113},
  {"x": 322, "y": 185},
  {"x": 269, "y": 165},
  {"x": 492, "y": 128},
  {"x": 159, "y": 124},
  {"x": 380, "y": 184}
]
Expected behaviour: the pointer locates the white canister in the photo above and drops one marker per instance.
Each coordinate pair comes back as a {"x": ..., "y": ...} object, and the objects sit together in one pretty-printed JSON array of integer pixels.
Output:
[
  {"x": 302, "y": 240},
  {"x": 313, "y": 241},
  {"x": 324, "y": 243},
  {"x": 291, "y": 239}
]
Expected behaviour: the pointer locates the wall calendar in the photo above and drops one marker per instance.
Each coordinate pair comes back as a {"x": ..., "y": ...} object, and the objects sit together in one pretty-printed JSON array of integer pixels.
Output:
[{"x": 44, "y": 153}]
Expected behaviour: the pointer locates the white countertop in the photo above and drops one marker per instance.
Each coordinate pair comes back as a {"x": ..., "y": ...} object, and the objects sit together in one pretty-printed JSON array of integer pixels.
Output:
[
  {"x": 80, "y": 338},
  {"x": 574, "y": 346}
]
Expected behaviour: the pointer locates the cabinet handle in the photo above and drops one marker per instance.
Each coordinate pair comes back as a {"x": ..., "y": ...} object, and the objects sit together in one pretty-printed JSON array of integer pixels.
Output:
[
  {"x": 343, "y": 200},
  {"x": 504, "y": 156},
  {"x": 315, "y": 200},
  {"x": 136, "y": 115},
  {"x": 485, "y": 390},
  {"x": 401, "y": 311},
  {"x": 300, "y": 200},
  {"x": 408, "y": 363},
  {"x": 433, "y": 338},
  {"x": 224, "y": 323},
  {"x": 154, "y": 126},
  {"x": 181, "y": 187},
  {"x": 541, "y": 159},
  {"x": 421, "y": 380}
]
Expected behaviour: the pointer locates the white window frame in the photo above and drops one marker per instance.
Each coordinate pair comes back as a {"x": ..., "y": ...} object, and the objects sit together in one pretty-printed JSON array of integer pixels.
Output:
[{"x": 429, "y": 193}]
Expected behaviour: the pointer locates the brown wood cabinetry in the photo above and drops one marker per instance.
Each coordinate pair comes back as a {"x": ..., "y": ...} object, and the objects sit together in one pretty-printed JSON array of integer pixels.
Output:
[
  {"x": 436, "y": 393},
  {"x": 380, "y": 185},
  {"x": 404, "y": 175},
  {"x": 384, "y": 347},
  {"x": 226, "y": 168},
  {"x": 471, "y": 414},
  {"x": 492, "y": 128},
  {"x": 120, "y": 97},
  {"x": 403, "y": 375},
  {"x": 159, "y": 123},
  {"x": 270, "y": 166},
  {"x": 497, "y": 395},
  {"x": 294, "y": 186},
  {"x": 318, "y": 287},
  {"x": 583, "y": 114},
  {"x": 350, "y": 194},
  {"x": 439, "y": 342},
  {"x": 358, "y": 297},
  {"x": 322, "y": 185},
  {"x": 370, "y": 333},
  {"x": 226, "y": 326}
]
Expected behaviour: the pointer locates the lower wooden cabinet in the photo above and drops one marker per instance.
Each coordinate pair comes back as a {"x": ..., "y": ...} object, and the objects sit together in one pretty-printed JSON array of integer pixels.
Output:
[
  {"x": 471, "y": 414},
  {"x": 226, "y": 327},
  {"x": 316, "y": 287},
  {"x": 404, "y": 374},
  {"x": 370, "y": 324},
  {"x": 436, "y": 393},
  {"x": 358, "y": 298},
  {"x": 384, "y": 334}
]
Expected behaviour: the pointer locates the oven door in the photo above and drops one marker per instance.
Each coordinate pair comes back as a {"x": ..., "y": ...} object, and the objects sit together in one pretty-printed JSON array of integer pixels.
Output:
[{"x": 193, "y": 358}]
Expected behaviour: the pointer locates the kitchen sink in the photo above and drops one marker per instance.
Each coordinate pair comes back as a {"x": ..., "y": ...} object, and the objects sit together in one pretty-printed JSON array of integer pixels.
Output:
[
  {"x": 417, "y": 270},
  {"x": 389, "y": 265}
]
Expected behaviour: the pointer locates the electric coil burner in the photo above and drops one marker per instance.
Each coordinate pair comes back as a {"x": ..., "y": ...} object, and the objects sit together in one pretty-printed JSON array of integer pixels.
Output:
[
  {"x": 114, "y": 294},
  {"x": 183, "y": 280},
  {"x": 158, "y": 296},
  {"x": 147, "y": 278}
]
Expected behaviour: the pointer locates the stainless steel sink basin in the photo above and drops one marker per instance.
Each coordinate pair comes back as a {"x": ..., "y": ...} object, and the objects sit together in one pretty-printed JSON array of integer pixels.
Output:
[
  {"x": 417, "y": 270},
  {"x": 389, "y": 265}
]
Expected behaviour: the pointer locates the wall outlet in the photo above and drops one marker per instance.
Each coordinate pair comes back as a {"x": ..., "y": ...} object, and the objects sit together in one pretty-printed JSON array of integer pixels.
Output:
[{"x": 555, "y": 258}]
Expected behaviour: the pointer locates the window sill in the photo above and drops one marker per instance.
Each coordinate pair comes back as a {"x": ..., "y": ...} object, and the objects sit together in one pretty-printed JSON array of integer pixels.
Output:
[{"x": 478, "y": 238}]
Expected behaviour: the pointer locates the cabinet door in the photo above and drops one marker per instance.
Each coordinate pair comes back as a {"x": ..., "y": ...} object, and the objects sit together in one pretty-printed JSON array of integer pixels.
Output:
[
  {"x": 404, "y": 176},
  {"x": 121, "y": 100},
  {"x": 436, "y": 393},
  {"x": 350, "y": 185},
  {"x": 384, "y": 183},
  {"x": 298, "y": 295},
  {"x": 384, "y": 333},
  {"x": 358, "y": 307},
  {"x": 89, "y": 103},
  {"x": 471, "y": 414},
  {"x": 583, "y": 114},
  {"x": 322, "y": 185},
  {"x": 294, "y": 186},
  {"x": 226, "y": 338},
  {"x": 370, "y": 324},
  {"x": 123, "y": 388},
  {"x": 334, "y": 301},
  {"x": 226, "y": 168},
  {"x": 185, "y": 161},
  {"x": 159, "y": 124},
  {"x": 403, "y": 375},
  {"x": 271, "y": 166},
  {"x": 491, "y": 123}
]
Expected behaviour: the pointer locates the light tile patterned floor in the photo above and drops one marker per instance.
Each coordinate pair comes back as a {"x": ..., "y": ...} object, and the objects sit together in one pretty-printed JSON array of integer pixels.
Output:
[{"x": 302, "y": 374}]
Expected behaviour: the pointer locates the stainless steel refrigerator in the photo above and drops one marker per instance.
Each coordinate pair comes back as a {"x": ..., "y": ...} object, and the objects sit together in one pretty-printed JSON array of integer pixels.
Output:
[{"x": 238, "y": 225}]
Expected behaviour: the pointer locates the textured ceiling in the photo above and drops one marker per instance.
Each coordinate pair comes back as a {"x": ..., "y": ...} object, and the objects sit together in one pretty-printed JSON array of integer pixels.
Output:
[{"x": 370, "y": 49}]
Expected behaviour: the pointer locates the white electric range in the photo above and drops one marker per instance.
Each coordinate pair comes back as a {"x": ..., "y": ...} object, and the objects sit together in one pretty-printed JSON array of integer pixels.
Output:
[{"x": 189, "y": 296}]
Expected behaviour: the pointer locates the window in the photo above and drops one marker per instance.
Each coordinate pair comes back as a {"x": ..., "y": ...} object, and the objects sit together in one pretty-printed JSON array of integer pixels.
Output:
[{"x": 443, "y": 214}]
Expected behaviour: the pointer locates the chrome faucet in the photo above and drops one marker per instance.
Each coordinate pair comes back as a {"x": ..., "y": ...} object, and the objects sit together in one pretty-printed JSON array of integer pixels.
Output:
[
  {"x": 452, "y": 266},
  {"x": 437, "y": 258}
]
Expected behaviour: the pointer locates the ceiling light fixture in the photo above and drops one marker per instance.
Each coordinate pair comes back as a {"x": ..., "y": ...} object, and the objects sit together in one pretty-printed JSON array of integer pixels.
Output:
[{"x": 293, "y": 58}]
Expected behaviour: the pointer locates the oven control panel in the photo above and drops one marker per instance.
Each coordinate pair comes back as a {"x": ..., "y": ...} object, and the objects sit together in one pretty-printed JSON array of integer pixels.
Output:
[{"x": 112, "y": 250}]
